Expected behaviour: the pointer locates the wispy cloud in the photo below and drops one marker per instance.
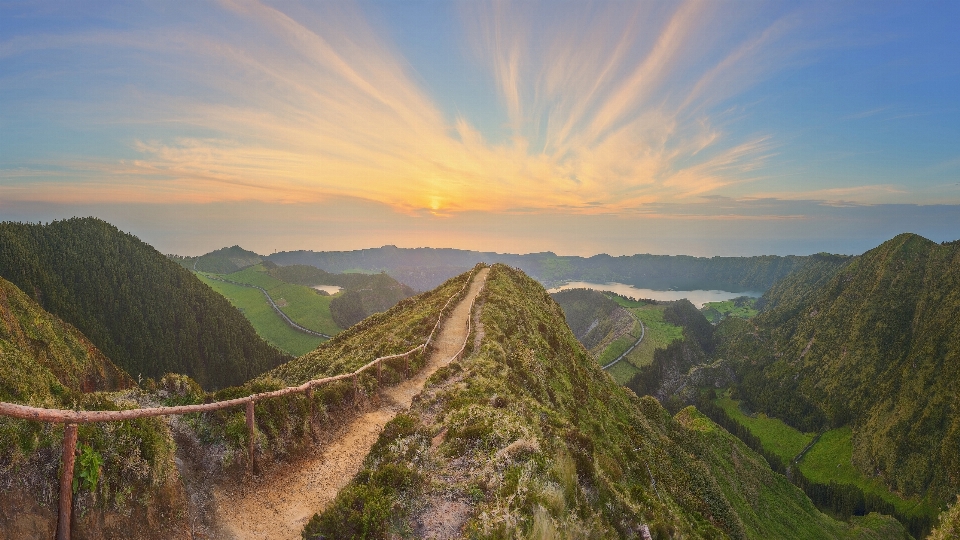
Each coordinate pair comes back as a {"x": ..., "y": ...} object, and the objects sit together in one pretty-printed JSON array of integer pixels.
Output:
[{"x": 610, "y": 107}]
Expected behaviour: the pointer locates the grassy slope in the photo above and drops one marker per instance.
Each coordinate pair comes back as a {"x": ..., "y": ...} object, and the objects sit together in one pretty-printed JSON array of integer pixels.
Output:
[
  {"x": 716, "y": 311},
  {"x": 265, "y": 321},
  {"x": 303, "y": 304},
  {"x": 776, "y": 437},
  {"x": 45, "y": 361},
  {"x": 659, "y": 334},
  {"x": 534, "y": 440},
  {"x": 829, "y": 460},
  {"x": 767, "y": 503},
  {"x": 48, "y": 363},
  {"x": 396, "y": 330}
]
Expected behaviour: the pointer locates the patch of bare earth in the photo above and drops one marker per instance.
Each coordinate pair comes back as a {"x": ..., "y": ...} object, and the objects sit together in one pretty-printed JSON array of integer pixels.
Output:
[{"x": 277, "y": 504}]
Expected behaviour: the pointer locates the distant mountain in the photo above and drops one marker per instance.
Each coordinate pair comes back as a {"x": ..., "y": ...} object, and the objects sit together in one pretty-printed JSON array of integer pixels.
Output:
[
  {"x": 227, "y": 260},
  {"x": 541, "y": 443},
  {"x": 45, "y": 361},
  {"x": 425, "y": 268},
  {"x": 144, "y": 311},
  {"x": 874, "y": 343}
]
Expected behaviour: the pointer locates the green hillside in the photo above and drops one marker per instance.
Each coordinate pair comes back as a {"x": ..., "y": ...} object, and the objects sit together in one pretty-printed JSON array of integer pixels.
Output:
[
  {"x": 145, "y": 312},
  {"x": 608, "y": 324},
  {"x": 264, "y": 319},
  {"x": 528, "y": 438},
  {"x": 292, "y": 289},
  {"x": 225, "y": 260},
  {"x": 131, "y": 489},
  {"x": 875, "y": 345},
  {"x": 45, "y": 360}
]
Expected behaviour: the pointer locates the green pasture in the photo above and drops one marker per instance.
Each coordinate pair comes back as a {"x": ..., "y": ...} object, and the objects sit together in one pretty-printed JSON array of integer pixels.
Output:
[
  {"x": 775, "y": 436},
  {"x": 659, "y": 334},
  {"x": 829, "y": 460},
  {"x": 717, "y": 311},
  {"x": 302, "y": 304},
  {"x": 265, "y": 321}
]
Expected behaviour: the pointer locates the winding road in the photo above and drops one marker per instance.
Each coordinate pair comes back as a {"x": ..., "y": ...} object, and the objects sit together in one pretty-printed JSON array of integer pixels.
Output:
[
  {"x": 643, "y": 331},
  {"x": 273, "y": 304}
]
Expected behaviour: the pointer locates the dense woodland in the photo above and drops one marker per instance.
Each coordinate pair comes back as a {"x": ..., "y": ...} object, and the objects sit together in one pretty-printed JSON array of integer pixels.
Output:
[{"x": 145, "y": 312}]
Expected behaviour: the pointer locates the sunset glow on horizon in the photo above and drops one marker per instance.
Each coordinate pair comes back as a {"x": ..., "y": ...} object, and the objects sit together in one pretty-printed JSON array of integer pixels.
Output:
[{"x": 815, "y": 121}]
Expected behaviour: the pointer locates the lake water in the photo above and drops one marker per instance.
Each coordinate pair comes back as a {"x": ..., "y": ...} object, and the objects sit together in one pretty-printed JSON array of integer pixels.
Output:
[
  {"x": 331, "y": 289},
  {"x": 697, "y": 298}
]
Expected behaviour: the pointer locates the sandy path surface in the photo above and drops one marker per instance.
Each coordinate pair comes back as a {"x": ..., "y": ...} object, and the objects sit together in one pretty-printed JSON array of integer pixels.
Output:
[{"x": 277, "y": 505}]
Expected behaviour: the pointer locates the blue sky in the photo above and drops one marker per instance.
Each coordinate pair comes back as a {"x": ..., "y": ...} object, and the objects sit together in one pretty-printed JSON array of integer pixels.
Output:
[{"x": 707, "y": 128}]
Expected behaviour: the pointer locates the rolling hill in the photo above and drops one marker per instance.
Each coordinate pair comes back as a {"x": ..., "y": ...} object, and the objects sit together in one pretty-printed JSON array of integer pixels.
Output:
[
  {"x": 527, "y": 437},
  {"x": 874, "y": 344},
  {"x": 145, "y": 312}
]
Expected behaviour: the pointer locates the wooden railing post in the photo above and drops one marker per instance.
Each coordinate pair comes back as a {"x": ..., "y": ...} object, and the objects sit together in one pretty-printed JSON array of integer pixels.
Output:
[
  {"x": 66, "y": 481},
  {"x": 251, "y": 440},
  {"x": 379, "y": 373},
  {"x": 406, "y": 366},
  {"x": 356, "y": 389},
  {"x": 309, "y": 395}
]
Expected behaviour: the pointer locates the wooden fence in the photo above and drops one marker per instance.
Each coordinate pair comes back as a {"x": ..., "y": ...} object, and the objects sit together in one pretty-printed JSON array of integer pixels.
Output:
[{"x": 71, "y": 418}]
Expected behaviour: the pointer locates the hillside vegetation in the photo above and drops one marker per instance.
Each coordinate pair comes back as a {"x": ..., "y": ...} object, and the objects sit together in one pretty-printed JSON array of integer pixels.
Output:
[
  {"x": 45, "y": 361},
  {"x": 145, "y": 312},
  {"x": 595, "y": 319},
  {"x": 128, "y": 485},
  {"x": 222, "y": 261},
  {"x": 271, "y": 327},
  {"x": 874, "y": 344},
  {"x": 527, "y": 437}
]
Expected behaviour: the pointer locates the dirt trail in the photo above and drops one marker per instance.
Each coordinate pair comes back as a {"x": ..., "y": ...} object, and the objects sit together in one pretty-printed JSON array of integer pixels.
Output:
[{"x": 277, "y": 505}]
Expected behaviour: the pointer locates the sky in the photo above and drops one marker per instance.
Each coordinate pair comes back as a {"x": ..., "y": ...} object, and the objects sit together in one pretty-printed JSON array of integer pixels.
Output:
[{"x": 673, "y": 127}]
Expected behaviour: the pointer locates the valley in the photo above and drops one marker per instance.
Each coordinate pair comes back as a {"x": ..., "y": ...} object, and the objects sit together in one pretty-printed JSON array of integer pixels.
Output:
[{"x": 508, "y": 424}]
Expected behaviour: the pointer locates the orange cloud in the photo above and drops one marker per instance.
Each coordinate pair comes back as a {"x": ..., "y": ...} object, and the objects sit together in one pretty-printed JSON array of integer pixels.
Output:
[{"x": 602, "y": 116}]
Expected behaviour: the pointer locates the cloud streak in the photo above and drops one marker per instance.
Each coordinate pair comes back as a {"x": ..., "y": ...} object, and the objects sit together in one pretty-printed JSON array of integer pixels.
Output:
[{"x": 610, "y": 107}]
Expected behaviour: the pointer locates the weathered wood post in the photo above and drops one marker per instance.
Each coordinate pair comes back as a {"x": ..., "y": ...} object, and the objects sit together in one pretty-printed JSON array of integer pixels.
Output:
[
  {"x": 309, "y": 394},
  {"x": 406, "y": 366},
  {"x": 251, "y": 439},
  {"x": 379, "y": 373},
  {"x": 356, "y": 389},
  {"x": 66, "y": 481}
]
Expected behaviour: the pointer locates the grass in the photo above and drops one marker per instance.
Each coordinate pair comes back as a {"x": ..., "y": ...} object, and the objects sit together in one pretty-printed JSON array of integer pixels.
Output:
[
  {"x": 659, "y": 334},
  {"x": 717, "y": 311},
  {"x": 265, "y": 321},
  {"x": 777, "y": 437},
  {"x": 829, "y": 460}
]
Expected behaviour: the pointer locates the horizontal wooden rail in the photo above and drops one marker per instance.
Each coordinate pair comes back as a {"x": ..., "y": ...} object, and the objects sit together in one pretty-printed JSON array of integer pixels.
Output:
[{"x": 67, "y": 416}]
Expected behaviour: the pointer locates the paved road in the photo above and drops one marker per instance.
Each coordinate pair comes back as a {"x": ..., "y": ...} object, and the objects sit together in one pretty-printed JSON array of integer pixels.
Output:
[
  {"x": 643, "y": 332},
  {"x": 273, "y": 304}
]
